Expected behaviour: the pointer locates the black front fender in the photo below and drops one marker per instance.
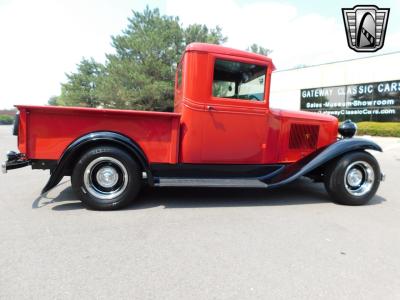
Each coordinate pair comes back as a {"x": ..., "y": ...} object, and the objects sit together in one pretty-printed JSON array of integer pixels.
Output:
[
  {"x": 91, "y": 139},
  {"x": 319, "y": 158}
]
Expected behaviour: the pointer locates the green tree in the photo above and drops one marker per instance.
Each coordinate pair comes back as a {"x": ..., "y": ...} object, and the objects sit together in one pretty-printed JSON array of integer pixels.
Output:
[
  {"x": 140, "y": 73},
  {"x": 53, "y": 100},
  {"x": 255, "y": 48},
  {"x": 80, "y": 88},
  {"x": 201, "y": 33}
]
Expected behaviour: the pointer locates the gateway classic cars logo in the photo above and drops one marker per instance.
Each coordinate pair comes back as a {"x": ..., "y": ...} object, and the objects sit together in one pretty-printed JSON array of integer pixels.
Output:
[{"x": 365, "y": 27}]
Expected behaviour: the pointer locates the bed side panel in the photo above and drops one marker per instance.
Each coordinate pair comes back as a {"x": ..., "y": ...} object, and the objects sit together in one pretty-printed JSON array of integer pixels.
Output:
[{"x": 51, "y": 131}]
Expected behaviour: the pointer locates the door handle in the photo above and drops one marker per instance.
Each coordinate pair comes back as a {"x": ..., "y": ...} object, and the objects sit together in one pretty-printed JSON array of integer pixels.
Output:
[{"x": 209, "y": 107}]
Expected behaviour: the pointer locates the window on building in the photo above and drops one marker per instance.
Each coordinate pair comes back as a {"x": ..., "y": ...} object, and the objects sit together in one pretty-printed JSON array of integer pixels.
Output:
[{"x": 236, "y": 80}]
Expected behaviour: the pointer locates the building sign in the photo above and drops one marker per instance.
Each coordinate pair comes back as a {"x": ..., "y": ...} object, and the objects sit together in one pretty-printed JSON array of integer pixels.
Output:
[{"x": 377, "y": 101}]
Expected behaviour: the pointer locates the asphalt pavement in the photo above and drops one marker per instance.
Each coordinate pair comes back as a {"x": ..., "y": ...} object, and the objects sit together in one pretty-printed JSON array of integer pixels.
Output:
[{"x": 289, "y": 243}]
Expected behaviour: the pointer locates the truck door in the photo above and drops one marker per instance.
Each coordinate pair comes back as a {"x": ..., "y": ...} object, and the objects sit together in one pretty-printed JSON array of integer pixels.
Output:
[{"x": 234, "y": 123}]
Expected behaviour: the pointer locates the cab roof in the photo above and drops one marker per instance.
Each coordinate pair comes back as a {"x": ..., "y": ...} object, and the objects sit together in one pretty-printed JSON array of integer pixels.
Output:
[{"x": 212, "y": 48}]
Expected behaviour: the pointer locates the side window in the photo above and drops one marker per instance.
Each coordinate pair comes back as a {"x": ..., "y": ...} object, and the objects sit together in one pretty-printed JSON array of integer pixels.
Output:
[
  {"x": 236, "y": 80},
  {"x": 179, "y": 76}
]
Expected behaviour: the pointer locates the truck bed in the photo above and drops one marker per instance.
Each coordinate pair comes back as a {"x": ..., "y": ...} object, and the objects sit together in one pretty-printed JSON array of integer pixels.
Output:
[{"x": 46, "y": 131}]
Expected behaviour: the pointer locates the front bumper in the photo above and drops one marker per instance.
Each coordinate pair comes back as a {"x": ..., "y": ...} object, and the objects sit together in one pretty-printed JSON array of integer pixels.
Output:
[{"x": 14, "y": 161}]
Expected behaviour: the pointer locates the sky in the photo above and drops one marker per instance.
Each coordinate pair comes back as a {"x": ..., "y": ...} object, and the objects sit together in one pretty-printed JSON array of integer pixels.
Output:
[{"x": 42, "y": 40}]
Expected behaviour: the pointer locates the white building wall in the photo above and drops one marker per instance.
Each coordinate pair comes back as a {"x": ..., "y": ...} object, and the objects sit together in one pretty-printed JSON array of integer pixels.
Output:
[{"x": 286, "y": 84}]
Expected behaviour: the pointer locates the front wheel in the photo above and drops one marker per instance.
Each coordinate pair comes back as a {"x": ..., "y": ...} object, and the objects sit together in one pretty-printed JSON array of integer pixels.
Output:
[
  {"x": 106, "y": 178},
  {"x": 353, "y": 179}
]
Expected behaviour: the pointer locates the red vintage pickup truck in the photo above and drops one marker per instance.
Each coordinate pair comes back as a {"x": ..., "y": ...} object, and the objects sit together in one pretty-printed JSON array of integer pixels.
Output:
[{"x": 222, "y": 133}]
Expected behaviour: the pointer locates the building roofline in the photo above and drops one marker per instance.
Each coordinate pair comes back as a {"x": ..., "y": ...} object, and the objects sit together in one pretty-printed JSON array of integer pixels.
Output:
[{"x": 338, "y": 61}]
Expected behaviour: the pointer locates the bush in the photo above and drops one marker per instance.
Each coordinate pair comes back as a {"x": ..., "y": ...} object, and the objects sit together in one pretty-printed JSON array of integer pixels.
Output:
[
  {"x": 379, "y": 128},
  {"x": 6, "y": 119}
]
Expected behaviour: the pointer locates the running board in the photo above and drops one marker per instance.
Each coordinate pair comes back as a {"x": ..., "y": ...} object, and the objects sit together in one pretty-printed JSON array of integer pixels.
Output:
[{"x": 210, "y": 182}]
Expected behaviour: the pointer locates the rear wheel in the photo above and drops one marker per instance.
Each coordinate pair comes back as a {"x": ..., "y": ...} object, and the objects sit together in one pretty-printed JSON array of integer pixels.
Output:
[
  {"x": 106, "y": 178},
  {"x": 353, "y": 179}
]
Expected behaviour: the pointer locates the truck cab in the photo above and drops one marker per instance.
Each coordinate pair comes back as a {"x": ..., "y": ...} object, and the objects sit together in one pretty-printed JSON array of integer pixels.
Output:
[
  {"x": 222, "y": 133},
  {"x": 222, "y": 95}
]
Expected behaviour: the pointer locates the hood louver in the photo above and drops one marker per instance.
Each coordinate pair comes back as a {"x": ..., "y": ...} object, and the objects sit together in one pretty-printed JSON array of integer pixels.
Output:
[{"x": 303, "y": 136}]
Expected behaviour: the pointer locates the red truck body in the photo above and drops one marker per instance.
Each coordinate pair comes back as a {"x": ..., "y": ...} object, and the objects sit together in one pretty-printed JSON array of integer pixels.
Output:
[
  {"x": 203, "y": 130},
  {"x": 221, "y": 127}
]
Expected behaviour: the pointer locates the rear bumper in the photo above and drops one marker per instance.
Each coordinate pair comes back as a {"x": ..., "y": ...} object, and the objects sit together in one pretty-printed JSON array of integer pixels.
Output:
[{"x": 14, "y": 161}]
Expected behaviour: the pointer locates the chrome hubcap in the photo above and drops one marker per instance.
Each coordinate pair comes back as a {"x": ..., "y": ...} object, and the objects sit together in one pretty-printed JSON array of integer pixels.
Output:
[
  {"x": 354, "y": 178},
  {"x": 359, "y": 178},
  {"x": 105, "y": 178}
]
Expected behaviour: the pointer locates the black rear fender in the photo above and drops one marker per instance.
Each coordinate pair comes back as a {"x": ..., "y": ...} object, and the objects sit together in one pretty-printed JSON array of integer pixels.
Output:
[{"x": 76, "y": 148}]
